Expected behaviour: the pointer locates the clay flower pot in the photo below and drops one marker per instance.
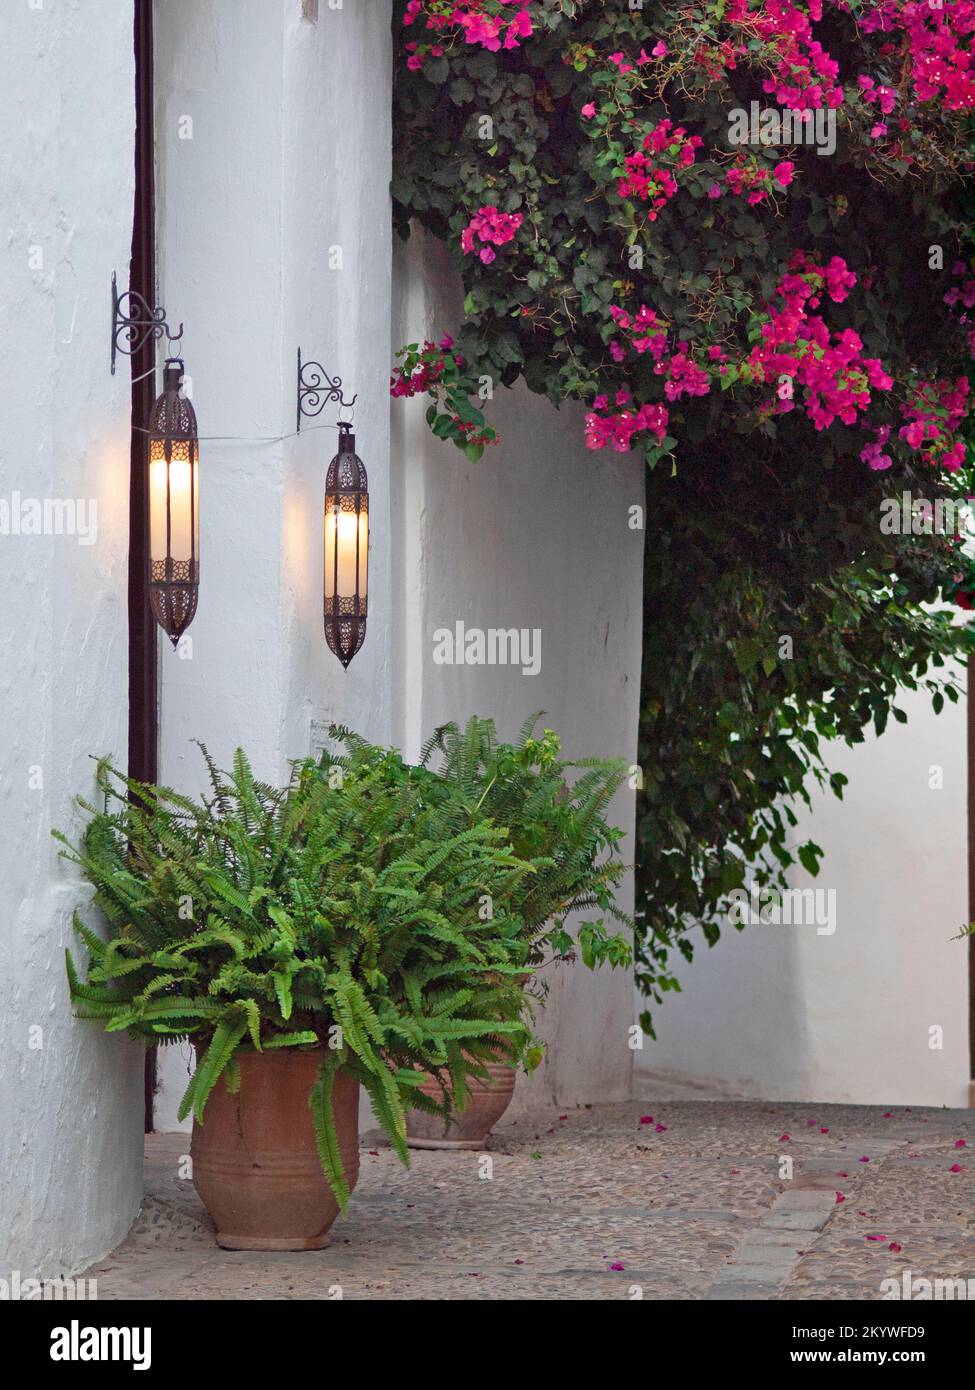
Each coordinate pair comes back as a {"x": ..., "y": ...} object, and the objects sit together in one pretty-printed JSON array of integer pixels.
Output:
[
  {"x": 469, "y": 1130},
  {"x": 255, "y": 1164}
]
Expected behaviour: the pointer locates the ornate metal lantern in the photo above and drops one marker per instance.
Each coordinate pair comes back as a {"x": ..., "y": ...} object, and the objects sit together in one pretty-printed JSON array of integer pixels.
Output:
[
  {"x": 174, "y": 506},
  {"x": 346, "y": 549}
]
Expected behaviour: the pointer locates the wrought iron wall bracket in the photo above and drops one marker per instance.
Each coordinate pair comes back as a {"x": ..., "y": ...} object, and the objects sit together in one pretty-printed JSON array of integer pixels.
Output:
[
  {"x": 134, "y": 322},
  {"x": 316, "y": 388}
]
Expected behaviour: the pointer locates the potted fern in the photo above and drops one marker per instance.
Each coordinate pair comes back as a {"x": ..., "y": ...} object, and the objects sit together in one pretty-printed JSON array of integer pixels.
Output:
[
  {"x": 554, "y": 815},
  {"x": 308, "y": 939}
]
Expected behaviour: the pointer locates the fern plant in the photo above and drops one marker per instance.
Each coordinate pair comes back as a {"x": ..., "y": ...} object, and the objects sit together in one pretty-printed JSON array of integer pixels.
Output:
[
  {"x": 555, "y": 815},
  {"x": 342, "y": 912}
]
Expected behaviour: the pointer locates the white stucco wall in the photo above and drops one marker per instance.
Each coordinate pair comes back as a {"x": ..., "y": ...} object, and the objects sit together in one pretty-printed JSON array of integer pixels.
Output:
[
  {"x": 274, "y": 231},
  {"x": 70, "y": 1096},
  {"x": 779, "y": 1012},
  {"x": 273, "y": 225},
  {"x": 536, "y": 536}
]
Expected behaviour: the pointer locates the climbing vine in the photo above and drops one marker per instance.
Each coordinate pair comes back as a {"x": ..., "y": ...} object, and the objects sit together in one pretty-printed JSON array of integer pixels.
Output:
[{"x": 737, "y": 231}]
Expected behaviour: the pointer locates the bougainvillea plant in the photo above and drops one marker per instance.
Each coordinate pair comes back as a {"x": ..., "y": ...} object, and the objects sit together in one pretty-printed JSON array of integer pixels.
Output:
[
  {"x": 736, "y": 231},
  {"x": 621, "y": 244},
  {"x": 436, "y": 370}
]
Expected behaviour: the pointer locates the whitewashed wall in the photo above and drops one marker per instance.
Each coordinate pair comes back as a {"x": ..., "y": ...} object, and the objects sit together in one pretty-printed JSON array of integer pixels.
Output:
[
  {"x": 533, "y": 536},
  {"x": 273, "y": 154},
  {"x": 274, "y": 230},
  {"x": 70, "y": 1096},
  {"x": 780, "y": 1012}
]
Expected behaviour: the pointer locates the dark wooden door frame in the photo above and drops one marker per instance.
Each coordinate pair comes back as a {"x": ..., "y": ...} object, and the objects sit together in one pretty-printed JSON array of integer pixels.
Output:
[{"x": 143, "y": 675}]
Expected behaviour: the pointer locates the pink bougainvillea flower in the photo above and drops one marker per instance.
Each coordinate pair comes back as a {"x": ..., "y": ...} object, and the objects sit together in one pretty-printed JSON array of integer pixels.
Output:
[
  {"x": 888, "y": 1114},
  {"x": 840, "y": 1198},
  {"x": 646, "y": 1119},
  {"x": 659, "y": 1128},
  {"x": 518, "y": 1262},
  {"x": 489, "y": 224},
  {"x": 864, "y": 1159},
  {"x": 842, "y": 1175},
  {"x": 620, "y": 61},
  {"x": 961, "y": 1143},
  {"x": 617, "y": 1264},
  {"x": 660, "y": 49},
  {"x": 589, "y": 110},
  {"x": 956, "y": 1168},
  {"x": 824, "y": 1129},
  {"x": 446, "y": 342},
  {"x": 894, "y": 1248},
  {"x": 875, "y": 1237},
  {"x": 785, "y": 1138},
  {"x": 783, "y": 173},
  {"x": 872, "y": 453}
]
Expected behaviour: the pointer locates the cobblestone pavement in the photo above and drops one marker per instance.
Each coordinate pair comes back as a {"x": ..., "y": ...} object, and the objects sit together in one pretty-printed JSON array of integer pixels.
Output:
[{"x": 595, "y": 1204}]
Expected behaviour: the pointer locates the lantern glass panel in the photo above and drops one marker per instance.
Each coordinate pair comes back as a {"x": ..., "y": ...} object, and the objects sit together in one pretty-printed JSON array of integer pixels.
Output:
[
  {"x": 346, "y": 547},
  {"x": 174, "y": 513}
]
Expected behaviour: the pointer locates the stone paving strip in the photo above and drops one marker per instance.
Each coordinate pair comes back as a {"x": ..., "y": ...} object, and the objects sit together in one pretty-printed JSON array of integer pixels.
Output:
[
  {"x": 671, "y": 1201},
  {"x": 771, "y": 1250},
  {"x": 770, "y": 1253}
]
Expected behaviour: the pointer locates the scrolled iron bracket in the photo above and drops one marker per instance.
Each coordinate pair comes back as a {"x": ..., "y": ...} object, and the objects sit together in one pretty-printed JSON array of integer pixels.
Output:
[
  {"x": 134, "y": 322},
  {"x": 316, "y": 388}
]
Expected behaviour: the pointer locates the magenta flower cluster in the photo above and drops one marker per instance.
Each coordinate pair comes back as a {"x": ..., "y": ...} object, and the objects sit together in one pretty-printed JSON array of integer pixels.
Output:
[
  {"x": 490, "y": 24},
  {"x": 492, "y": 227},
  {"x": 646, "y": 175}
]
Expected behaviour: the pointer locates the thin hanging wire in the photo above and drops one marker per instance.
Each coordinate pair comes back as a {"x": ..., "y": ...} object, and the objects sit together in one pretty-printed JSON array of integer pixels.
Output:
[
  {"x": 244, "y": 438},
  {"x": 250, "y": 438}
]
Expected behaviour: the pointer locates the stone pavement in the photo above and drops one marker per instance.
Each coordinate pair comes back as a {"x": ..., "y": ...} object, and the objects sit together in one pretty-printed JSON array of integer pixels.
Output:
[{"x": 593, "y": 1204}]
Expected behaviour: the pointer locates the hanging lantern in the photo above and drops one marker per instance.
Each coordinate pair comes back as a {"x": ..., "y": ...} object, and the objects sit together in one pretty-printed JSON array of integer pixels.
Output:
[
  {"x": 346, "y": 549},
  {"x": 174, "y": 506}
]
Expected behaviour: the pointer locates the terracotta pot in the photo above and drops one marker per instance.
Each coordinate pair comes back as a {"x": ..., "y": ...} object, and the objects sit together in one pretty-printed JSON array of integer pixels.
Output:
[
  {"x": 255, "y": 1164},
  {"x": 469, "y": 1130}
]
